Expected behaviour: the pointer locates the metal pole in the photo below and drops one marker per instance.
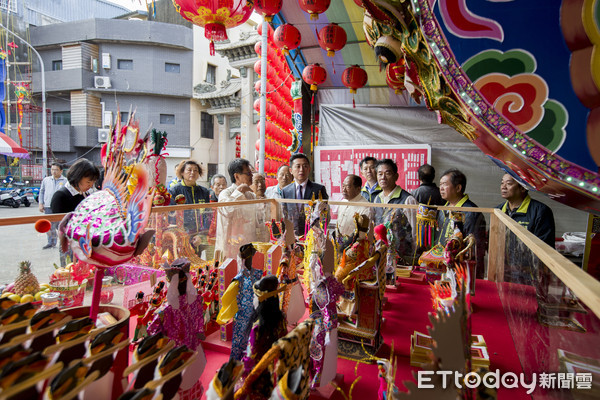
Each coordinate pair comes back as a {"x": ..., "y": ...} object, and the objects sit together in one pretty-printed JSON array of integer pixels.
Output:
[
  {"x": 263, "y": 96},
  {"x": 44, "y": 115}
]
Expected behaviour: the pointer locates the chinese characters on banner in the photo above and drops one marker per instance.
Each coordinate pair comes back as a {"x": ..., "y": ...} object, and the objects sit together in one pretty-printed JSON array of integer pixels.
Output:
[
  {"x": 334, "y": 163},
  {"x": 33, "y": 171}
]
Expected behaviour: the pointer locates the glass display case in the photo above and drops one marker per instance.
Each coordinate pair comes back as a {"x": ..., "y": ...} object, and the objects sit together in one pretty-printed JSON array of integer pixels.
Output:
[{"x": 549, "y": 306}]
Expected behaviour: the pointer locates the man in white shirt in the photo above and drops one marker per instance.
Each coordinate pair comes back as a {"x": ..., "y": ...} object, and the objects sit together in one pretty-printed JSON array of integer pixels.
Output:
[
  {"x": 49, "y": 186},
  {"x": 284, "y": 178},
  {"x": 236, "y": 225},
  {"x": 351, "y": 190}
]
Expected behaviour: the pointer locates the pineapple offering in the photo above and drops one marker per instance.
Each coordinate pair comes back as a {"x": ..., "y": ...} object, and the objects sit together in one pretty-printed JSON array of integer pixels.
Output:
[
  {"x": 26, "y": 287},
  {"x": 26, "y": 282}
]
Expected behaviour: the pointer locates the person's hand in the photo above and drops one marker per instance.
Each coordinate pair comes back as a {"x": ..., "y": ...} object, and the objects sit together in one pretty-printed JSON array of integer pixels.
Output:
[
  {"x": 41, "y": 207},
  {"x": 243, "y": 188}
]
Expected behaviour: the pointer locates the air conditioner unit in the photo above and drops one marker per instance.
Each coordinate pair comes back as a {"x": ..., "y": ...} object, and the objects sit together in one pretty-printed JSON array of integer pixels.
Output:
[
  {"x": 101, "y": 82},
  {"x": 103, "y": 135}
]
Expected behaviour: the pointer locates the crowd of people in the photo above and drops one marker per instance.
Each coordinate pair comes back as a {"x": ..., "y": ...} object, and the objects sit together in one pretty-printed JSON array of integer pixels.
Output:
[{"x": 377, "y": 183}]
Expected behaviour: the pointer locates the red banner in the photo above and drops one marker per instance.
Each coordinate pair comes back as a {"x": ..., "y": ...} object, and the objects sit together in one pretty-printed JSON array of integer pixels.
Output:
[
  {"x": 33, "y": 171},
  {"x": 334, "y": 163}
]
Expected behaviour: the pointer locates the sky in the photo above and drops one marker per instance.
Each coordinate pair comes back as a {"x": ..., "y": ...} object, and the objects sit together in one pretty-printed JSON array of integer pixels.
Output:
[{"x": 131, "y": 4}]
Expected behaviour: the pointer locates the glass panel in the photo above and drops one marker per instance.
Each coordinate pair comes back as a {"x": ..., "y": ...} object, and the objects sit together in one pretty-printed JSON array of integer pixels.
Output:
[
  {"x": 554, "y": 333},
  {"x": 173, "y": 68},
  {"x": 167, "y": 119},
  {"x": 125, "y": 64}
]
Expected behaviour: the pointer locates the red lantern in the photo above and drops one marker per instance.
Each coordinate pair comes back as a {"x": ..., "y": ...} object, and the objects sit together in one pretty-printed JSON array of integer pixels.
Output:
[
  {"x": 394, "y": 76},
  {"x": 332, "y": 38},
  {"x": 215, "y": 16},
  {"x": 287, "y": 37},
  {"x": 354, "y": 78},
  {"x": 268, "y": 8},
  {"x": 257, "y": 67},
  {"x": 269, "y": 30},
  {"x": 314, "y": 75},
  {"x": 314, "y": 7},
  {"x": 257, "y": 48}
]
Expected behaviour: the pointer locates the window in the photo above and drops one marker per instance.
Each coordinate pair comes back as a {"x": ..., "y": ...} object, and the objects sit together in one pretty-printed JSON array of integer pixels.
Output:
[
  {"x": 211, "y": 170},
  {"x": 61, "y": 118},
  {"x": 56, "y": 65},
  {"x": 10, "y": 5},
  {"x": 125, "y": 64},
  {"x": 124, "y": 116},
  {"x": 207, "y": 127},
  {"x": 167, "y": 119},
  {"x": 211, "y": 74},
  {"x": 173, "y": 68}
]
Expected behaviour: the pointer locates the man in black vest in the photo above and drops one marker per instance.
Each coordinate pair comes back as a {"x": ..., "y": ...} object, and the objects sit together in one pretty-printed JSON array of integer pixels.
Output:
[
  {"x": 452, "y": 188},
  {"x": 391, "y": 193},
  {"x": 401, "y": 222},
  {"x": 532, "y": 214},
  {"x": 301, "y": 189}
]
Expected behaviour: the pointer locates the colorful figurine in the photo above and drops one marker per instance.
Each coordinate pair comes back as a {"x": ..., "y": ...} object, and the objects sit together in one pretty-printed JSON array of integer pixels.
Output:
[
  {"x": 292, "y": 302},
  {"x": 324, "y": 343},
  {"x": 237, "y": 302},
  {"x": 180, "y": 319},
  {"x": 268, "y": 326},
  {"x": 139, "y": 310}
]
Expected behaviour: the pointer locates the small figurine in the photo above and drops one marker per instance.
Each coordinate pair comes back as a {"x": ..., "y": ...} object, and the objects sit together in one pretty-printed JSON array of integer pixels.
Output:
[
  {"x": 237, "y": 304},
  {"x": 324, "y": 343},
  {"x": 292, "y": 303},
  {"x": 180, "y": 319},
  {"x": 268, "y": 326},
  {"x": 139, "y": 309}
]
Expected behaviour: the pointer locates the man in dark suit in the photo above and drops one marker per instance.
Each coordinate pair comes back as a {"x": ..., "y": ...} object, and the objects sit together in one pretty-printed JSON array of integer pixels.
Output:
[{"x": 301, "y": 189}]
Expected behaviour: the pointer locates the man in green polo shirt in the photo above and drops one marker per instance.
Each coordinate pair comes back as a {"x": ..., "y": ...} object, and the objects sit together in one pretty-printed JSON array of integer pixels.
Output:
[{"x": 532, "y": 214}]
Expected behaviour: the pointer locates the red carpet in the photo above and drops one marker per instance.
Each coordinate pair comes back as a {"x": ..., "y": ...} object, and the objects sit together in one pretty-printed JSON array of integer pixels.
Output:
[{"x": 406, "y": 312}]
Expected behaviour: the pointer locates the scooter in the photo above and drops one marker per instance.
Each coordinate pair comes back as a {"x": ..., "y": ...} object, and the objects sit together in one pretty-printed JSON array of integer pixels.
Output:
[
  {"x": 9, "y": 197},
  {"x": 22, "y": 193}
]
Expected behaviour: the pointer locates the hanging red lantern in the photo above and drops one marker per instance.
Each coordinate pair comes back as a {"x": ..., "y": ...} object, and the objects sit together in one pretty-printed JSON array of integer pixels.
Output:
[
  {"x": 314, "y": 75},
  {"x": 332, "y": 38},
  {"x": 394, "y": 76},
  {"x": 314, "y": 7},
  {"x": 268, "y": 8},
  {"x": 354, "y": 78},
  {"x": 269, "y": 30},
  {"x": 287, "y": 37},
  {"x": 257, "y": 67},
  {"x": 257, "y": 49},
  {"x": 215, "y": 16}
]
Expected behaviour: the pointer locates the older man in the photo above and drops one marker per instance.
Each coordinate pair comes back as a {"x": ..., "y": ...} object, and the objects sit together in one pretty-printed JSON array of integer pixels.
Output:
[
  {"x": 236, "y": 225},
  {"x": 368, "y": 169},
  {"x": 217, "y": 183},
  {"x": 387, "y": 175},
  {"x": 284, "y": 178},
  {"x": 351, "y": 190},
  {"x": 452, "y": 188},
  {"x": 532, "y": 214}
]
